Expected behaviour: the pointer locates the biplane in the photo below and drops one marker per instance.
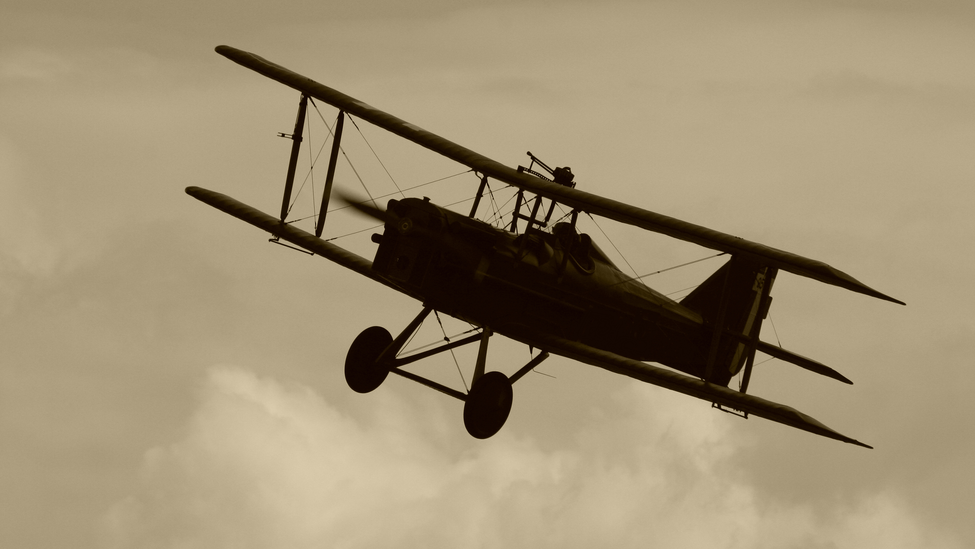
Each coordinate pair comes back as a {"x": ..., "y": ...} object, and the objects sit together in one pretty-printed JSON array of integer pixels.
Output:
[{"x": 543, "y": 283}]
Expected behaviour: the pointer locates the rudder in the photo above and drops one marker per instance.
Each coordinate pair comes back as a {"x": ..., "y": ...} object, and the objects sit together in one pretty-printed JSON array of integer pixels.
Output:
[{"x": 733, "y": 301}]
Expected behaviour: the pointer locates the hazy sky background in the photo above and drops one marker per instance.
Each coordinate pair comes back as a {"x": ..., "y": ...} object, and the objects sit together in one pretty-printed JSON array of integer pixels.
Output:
[{"x": 169, "y": 379}]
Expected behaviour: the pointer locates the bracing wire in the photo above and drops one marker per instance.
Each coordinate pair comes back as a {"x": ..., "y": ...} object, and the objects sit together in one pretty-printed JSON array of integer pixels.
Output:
[
  {"x": 682, "y": 290},
  {"x": 400, "y": 191},
  {"x": 438, "y": 342},
  {"x": 496, "y": 215},
  {"x": 447, "y": 339},
  {"x": 776, "y": 332},
  {"x": 411, "y": 338},
  {"x": 611, "y": 243},
  {"x": 638, "y": 277},
  {"x": 347, "y": 159},
  {"x": 674, "y": 267},
  {"x": 379, "y": 197},
  {"x": 564, "y": 215},
  {"x": 361, "y": 182},
  {"x": 431, "y": 182},
  {"x": 377, "y": 156},
  {"x": 311, "y": 168},
  {"x": 494, "y": 202},
  {"x": 353, "y": 233}
]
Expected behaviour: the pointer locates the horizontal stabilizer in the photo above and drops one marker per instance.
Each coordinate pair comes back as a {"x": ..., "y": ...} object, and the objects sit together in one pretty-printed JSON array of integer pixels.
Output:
[
  {"x": 573, "y": 198},
  {"x": 801, "y": 361}
]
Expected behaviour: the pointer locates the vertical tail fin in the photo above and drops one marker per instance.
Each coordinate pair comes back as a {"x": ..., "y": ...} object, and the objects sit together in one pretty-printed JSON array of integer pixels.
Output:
[{"x": 733, "y": 301}]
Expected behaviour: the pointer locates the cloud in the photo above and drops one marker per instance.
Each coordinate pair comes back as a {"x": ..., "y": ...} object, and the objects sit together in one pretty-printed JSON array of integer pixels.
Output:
[{"x": 265, "y": 464}]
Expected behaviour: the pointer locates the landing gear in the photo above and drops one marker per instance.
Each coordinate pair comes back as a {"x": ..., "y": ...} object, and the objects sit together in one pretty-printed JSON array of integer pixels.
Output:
[
  {"x": 487, "y": 405},
  {"x": 363, "y": 370},
  {"x": 373, "y": 356}
]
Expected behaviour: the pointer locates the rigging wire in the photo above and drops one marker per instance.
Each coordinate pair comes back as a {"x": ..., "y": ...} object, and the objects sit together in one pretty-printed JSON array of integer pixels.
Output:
[
  {"x": 611, "y": 243},
  {"x": 497, "y": 215},
  {"x": 564, "y": 215},
  {"x": 447, "y": 339},
  {"x": 494, "y": 202},
  {"x": 682, "y": 290},
  {"x": 672, "y": 268},
  {"x": 741, "y": 376},
  {"x": 376, "y": 155},
  {"x": 361, "y": 182},
  {"x": 408, "y": 189},
  {"x": 430, "y": 182},
  {"x": 606, "y": 236},
  {"x": 433, "y": 343},
  {"x": 410, "y": 340},
  {"x": 351, "y": 165},
  {"x": 390, "y": 194},
  {"x": 373, "y": 228},
  {"x": 311, "y": 166},
  {"x": 777, "y": 341},
  {"x": 638, "y": 277},
  {"x": 312, "y": 162}
]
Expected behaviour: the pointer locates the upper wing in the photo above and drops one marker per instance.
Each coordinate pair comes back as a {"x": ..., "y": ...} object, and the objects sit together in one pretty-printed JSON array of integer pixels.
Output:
[
  {"x": 573, "y": 198},
  {"x": 694, "y": 387}
]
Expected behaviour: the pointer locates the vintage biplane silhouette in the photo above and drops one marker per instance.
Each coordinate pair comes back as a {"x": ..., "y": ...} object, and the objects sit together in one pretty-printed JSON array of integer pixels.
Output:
[{"x": 547, "y": 286}]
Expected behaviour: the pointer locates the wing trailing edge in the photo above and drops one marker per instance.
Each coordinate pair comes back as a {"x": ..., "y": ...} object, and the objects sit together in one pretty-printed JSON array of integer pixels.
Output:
[{"x": 580, "y": 200}]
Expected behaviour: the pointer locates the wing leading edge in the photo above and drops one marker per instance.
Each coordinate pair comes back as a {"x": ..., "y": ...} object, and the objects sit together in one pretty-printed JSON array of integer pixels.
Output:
[{"x": 580, "y": 200}]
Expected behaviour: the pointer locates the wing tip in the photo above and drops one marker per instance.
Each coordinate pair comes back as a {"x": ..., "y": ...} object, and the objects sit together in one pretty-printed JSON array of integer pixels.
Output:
[
  {"x": 860, "y": 444},
  {"x": 196, "y": 192},
  {"x": 885, "y": 297},
  {"x": 844, "y": 280}
]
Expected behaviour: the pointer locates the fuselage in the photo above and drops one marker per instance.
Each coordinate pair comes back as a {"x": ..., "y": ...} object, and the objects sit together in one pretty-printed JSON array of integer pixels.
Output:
[{"x": 558, "y": 282}]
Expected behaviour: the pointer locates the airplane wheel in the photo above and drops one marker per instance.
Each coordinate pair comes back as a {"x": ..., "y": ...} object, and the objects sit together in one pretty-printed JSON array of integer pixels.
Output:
[
  {"x": 361, "y": 371},
  {"x": 487, "y": 405}
]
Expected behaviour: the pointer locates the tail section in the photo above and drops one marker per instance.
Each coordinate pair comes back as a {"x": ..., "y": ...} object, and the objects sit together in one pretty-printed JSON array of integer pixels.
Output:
[{"x": 733, "y": 301}]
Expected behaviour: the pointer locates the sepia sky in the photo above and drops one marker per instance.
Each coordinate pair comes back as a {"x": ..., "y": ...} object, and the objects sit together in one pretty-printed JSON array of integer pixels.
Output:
[{"x": 170, "y": 379}]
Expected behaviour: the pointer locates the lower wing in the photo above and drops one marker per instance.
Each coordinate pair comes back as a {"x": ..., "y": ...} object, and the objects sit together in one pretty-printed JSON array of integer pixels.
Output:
[
  {"x": 291, "y": 234},
  {"x": 681, "y": 383}
]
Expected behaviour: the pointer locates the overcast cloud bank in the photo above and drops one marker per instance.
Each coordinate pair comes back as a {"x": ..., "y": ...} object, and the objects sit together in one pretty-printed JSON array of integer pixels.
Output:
[{"x": 271, "y": 465}]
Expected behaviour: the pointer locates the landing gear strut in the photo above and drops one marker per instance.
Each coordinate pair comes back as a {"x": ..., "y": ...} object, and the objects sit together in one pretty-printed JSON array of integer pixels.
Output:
[{"x": 372, "y": 357}]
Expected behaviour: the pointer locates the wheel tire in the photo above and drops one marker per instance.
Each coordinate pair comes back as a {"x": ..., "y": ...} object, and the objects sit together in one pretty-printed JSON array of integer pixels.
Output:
[
  {"x": 362, "y": 373},
  {"x": 488, "y": 405}
]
